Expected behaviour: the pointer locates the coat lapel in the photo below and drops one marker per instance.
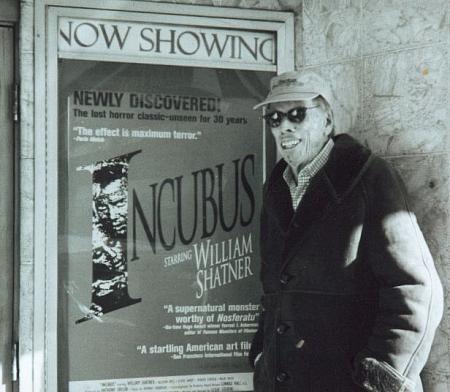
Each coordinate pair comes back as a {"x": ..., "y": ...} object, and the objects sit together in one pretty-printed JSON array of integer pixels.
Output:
[
  {"x": 315, "y": 205},
  {"x": 277, "y": 199}
]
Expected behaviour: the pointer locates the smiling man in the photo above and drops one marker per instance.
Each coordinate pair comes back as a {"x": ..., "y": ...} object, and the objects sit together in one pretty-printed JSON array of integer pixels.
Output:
[{"x": 351, "y": 295}]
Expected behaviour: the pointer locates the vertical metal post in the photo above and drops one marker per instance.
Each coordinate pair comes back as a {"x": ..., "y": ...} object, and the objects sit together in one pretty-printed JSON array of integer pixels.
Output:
[{"x": 7, "y": 159}]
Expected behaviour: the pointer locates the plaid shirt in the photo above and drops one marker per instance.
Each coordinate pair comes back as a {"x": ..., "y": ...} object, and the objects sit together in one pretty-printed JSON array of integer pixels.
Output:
[{"x": 298, "y": 187}]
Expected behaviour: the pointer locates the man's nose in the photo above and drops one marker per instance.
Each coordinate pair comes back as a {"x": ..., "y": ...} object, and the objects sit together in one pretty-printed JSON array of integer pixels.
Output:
[{"x": 286, "y": 126}]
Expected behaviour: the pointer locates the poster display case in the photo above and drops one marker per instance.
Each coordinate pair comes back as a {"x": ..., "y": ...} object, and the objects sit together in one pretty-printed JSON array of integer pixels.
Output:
[{"x": 153, "y": 168}]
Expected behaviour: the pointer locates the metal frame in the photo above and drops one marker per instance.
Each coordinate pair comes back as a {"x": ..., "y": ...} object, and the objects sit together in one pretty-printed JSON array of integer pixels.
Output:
[
  {"x": 9, "y": 18},
  {"x": 17, "y": 168},
  {"x": 45, "y": 364},
  {"x": 10, "y": 254}
]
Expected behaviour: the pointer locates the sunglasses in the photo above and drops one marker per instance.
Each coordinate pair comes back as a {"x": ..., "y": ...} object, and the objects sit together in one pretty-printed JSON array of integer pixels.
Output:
[{"x": 295, "y": 115}]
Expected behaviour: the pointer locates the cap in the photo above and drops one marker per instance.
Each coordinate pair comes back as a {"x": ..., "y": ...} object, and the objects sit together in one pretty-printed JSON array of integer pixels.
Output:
[{"x": 296, "y": 86}]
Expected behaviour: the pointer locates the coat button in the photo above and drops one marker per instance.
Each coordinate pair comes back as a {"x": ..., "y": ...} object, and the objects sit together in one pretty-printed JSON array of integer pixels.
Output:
[
  {"x": 285, "y": 278},
  {"x": 282, "y": 328},
  {"x": 282, "y": 377},
  {"x": 300, "y": 344}
]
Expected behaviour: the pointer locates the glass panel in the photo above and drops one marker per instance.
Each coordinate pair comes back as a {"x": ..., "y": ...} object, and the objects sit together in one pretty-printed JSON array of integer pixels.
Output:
[{"x": 161, "y": 172}]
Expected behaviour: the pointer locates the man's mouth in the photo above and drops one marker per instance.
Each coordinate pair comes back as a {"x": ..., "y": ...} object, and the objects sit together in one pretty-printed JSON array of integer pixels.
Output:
[{"x": 289, "y": 143}]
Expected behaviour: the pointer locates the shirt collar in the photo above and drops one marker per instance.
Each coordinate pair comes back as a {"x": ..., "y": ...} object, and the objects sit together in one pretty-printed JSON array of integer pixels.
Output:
[{"x": 311, "y": 169}]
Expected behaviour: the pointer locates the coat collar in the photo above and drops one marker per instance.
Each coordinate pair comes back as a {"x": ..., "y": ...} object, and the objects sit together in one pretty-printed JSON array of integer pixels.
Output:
[{"x": 346, "y": 164}]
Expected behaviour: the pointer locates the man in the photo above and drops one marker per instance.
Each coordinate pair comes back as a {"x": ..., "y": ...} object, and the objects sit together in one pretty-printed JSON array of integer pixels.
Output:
[{"x": 351, "y": 296}]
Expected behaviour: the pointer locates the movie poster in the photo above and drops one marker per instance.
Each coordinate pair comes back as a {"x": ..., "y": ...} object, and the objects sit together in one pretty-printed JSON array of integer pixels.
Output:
[{"x": 160, "y": 183}]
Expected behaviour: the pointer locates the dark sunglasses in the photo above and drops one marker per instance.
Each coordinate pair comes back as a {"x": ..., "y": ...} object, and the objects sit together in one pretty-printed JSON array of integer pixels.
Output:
[{"x": 295, "y": 115}]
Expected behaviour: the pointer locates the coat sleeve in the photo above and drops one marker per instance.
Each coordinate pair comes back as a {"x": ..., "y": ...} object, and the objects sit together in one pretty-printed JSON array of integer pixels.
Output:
[{"x": 410, "y": 293}]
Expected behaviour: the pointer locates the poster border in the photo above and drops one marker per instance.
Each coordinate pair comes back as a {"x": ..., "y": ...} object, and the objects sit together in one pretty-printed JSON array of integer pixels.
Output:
[{"x": 43, "y": 344}]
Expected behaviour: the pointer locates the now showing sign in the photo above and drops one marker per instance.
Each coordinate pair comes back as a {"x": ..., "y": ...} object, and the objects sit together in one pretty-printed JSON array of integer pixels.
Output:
[{"x": 105, "y": 37}]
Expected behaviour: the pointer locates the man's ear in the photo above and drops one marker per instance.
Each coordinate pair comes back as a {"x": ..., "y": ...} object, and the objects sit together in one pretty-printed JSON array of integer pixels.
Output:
[{"x": 329, "y": 125}]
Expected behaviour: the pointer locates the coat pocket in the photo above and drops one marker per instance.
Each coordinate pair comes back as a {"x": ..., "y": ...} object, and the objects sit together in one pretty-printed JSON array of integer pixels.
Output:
[{"x": 331, "y": 370}]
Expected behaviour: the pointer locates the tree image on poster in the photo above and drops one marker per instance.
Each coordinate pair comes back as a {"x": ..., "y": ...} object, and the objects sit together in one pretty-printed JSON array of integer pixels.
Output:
[
  {"x": 160, "y": 198},
  {"x": 109, "y": 236}
]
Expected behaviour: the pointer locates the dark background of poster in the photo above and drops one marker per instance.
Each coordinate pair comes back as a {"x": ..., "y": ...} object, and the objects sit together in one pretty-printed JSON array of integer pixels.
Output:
[{"x": 105, "y": 350}]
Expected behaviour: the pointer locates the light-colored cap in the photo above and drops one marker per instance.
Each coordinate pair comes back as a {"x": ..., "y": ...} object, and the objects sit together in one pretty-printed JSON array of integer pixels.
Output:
[{"x": 297, "y": 86}]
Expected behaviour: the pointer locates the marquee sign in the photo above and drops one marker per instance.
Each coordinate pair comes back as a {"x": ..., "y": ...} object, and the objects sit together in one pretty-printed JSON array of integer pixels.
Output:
[{"x": 93, "y": 36}]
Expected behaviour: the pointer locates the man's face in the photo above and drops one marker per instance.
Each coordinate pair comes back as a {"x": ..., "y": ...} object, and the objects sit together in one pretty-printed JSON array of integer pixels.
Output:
[
  {"x": 299, "y": 142},
  {"x": 112, "y": 208}
]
